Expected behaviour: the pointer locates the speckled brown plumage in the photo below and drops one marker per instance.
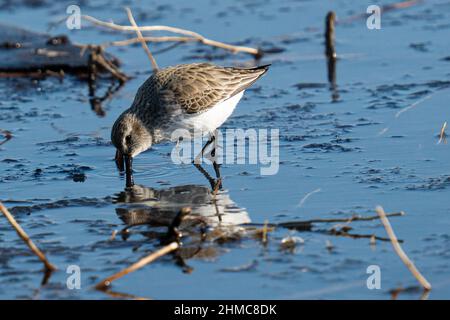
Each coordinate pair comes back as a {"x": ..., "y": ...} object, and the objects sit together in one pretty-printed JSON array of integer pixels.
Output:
[{"x": 194, "y": 87}]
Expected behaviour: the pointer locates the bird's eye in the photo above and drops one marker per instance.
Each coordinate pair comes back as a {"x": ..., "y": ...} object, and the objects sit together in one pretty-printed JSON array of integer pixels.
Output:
[{"x": 128, "y": 138}]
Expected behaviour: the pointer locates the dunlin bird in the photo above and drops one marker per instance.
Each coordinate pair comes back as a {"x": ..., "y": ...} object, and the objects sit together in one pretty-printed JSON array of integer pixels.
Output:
[{"x": 196, "y": 97}]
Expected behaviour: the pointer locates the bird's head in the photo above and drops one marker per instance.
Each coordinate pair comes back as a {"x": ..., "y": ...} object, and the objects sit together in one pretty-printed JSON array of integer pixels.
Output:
[{"x": 130, "y": 137}]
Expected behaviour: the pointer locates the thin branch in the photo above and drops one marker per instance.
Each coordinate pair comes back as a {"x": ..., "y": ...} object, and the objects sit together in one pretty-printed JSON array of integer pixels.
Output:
[
  {"x": 127, "y": 42},
  {"x": 372, "y": 237},
  {"x": 100, "y": 59},
  {"x": 141, "y": 38},
  {"x": 22, "y": 234},
  {"x": 104, "y": 284},
  {"x": 346, "y": 220},
  {"x": 121, "y": 295},
  {"x": 398, "y": 249},
  {"x": 413, "y": 105},
  {"x": 442, "y": 134},
  {"x": 196, "y": 36}
]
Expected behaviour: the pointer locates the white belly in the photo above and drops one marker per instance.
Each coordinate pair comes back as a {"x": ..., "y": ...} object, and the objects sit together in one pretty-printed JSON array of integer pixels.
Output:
[{"x": 210, "y": 120}]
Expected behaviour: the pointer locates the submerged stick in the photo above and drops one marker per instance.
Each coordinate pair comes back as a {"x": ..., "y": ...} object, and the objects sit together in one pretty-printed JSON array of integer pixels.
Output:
[
  {"x": 353, "y": 218},
  {"x": 141, "y": 39},
  {"x": 7, "y": 136},
  {"x": 104, "y": 284},
  {"x": 398, "y": 249},
  {"x": 330, "y": 53},
  {"x": 22, "y": 234}
]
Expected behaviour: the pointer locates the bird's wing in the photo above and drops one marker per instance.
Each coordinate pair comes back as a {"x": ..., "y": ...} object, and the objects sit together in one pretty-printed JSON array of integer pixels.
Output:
[{"x": 197, "y": 87}]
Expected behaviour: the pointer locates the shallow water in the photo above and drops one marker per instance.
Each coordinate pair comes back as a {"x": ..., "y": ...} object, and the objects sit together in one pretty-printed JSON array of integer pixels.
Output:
[{"x": 378, "y": 144}]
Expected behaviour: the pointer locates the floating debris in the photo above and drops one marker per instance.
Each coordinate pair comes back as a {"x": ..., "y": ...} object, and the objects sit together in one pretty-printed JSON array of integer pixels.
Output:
[{"x": 291, "y": 242}]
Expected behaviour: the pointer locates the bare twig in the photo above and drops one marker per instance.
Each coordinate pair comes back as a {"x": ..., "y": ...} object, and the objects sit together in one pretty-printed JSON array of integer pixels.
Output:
[
  {"x": 194, "y": 35},
  {"x": 100, "y": 59},
  {"x": 127, "y": 42},
  {"x": 113, "y": 235},
  {"x": 141, "y": 39},
  {"x": 121, "y": 295},
  {"x": 442, "y": 135},
  {"x": 104, "y": 284},
  {"x": 359, "y": 236},
  {"x": 308, "y": 224},
  {"x": 398, "y": 249},
  {"x": 346, "y": 220},
  {"x": 22, "y": 234}
]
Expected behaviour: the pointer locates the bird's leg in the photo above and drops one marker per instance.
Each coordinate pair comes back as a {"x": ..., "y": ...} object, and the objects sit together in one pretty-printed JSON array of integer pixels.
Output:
[
  {"x": 196, "y": 162},
  {"x": 216, "y": 166},
  {"x": 211, "y": 181},
  {"x": 217, "y": 170},
  {"x": 200, "y": 155}
]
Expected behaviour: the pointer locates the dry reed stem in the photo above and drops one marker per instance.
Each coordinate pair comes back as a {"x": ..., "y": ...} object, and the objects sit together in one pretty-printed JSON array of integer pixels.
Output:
[
  {"x": 100, "y": 59},
  {"x": 104, "y": 284},
  {"x": 194, "y": 35},
  {"x": 442, "y": 134},
  {"x": 413, "y": 105},
  {"x": 265, "y": 230},
  {"x": 113, "y": 235},
  {"x": 398, "y": 249},
  {"x": 141, "y": 39},
  {"x": 22, "y": 234},
  {"x": 121, "y": 295},
  {"x": 127, "y": 42}
]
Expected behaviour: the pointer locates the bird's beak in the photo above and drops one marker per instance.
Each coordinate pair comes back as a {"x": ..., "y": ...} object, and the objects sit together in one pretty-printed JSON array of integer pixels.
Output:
[
  {"x": 120, "y": 160},
  {"x": 129, "y": 171}
]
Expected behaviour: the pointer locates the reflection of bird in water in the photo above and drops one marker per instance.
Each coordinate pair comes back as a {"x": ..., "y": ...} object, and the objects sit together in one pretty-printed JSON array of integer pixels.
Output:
[
  {"x": 143, "y": 205},
  {"x": 159, "y": 207}
]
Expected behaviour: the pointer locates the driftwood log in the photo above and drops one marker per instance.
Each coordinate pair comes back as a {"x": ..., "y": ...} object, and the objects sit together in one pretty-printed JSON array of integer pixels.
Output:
[{"x": 28, "y": 53}]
